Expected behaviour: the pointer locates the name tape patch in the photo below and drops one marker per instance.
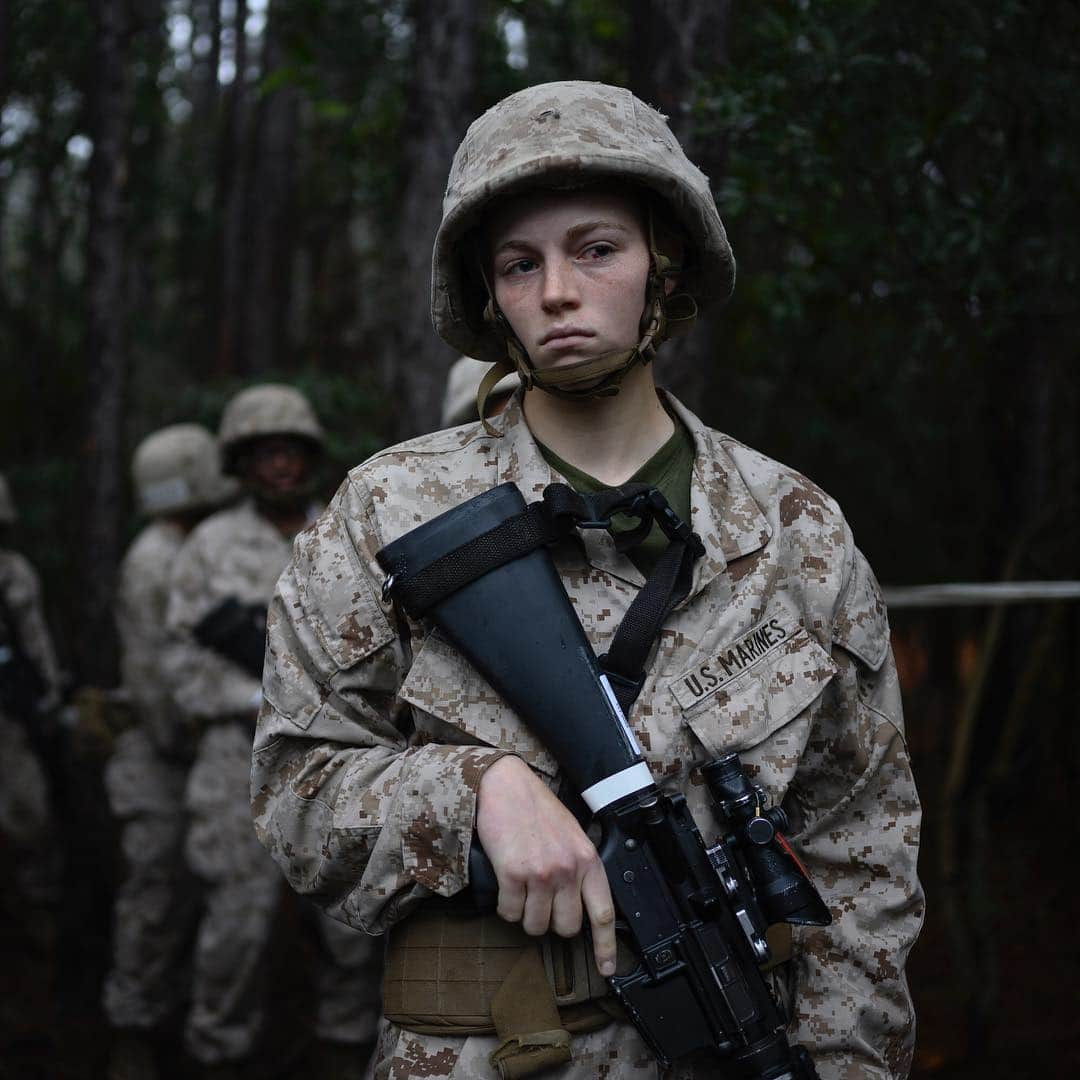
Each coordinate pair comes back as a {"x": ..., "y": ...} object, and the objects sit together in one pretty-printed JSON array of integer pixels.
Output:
[{"x": 731, "y": 661}]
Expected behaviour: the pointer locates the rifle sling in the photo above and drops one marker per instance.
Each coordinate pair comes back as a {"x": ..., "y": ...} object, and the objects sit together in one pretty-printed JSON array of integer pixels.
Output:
[{"x": 562, "y": 511}]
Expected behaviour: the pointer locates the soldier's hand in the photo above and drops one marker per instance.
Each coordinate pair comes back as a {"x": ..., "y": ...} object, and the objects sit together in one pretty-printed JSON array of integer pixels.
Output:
[{"x": 548, "y": 870}]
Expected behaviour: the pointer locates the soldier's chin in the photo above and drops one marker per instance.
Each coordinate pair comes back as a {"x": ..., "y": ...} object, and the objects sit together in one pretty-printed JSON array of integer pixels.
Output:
[
  {"x": 289, "y": 499},
  {"x": 563, "y": 358}
]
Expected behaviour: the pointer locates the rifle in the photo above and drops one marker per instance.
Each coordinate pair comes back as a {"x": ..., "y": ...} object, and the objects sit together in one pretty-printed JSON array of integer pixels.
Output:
[
  {"x": 21, "y": 684},
  {"x": 694, "y": 916},
  {"x": 235, "y": 631}
]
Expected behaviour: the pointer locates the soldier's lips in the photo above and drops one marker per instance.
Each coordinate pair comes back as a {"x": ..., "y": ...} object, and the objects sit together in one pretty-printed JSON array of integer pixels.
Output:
[{"x": 569, "y": 337}]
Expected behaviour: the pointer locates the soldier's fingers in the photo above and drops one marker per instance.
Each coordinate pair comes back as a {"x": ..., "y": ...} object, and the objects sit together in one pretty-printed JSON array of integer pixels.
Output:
[
  {"x": 537, "y": 917},
  {"x": 566, "y": 911},
  {"x": 511, "y": 905},
  {"x": 596, "y": 893}
]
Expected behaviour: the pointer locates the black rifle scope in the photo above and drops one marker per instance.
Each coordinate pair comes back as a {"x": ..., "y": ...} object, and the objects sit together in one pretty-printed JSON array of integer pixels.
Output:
[{"x": 782, "y": 886}]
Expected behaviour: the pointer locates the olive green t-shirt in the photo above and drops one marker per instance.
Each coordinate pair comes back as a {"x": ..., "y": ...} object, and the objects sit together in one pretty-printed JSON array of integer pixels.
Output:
[{"x": 668, "y": 470}]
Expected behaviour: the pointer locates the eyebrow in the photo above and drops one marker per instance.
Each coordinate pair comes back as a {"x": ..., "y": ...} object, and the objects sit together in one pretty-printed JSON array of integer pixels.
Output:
[
  {"x": 572, "y": 233},
  {"x": 588, "y": 226}
]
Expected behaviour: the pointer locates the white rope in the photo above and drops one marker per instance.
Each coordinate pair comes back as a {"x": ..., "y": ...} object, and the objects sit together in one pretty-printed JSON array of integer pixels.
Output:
[{"x": 959, "y": 594}]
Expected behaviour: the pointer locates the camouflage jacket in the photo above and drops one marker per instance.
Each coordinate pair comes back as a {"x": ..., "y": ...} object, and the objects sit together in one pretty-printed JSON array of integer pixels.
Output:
[
  {"x": 142, "y": 598},
  {"x": 21, "y": 589},
  {"x": 234, "y": 553},
  {"x": 374, "y": 732}
]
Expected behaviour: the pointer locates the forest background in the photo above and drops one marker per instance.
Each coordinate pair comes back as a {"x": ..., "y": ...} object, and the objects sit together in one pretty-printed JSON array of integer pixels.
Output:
[{"x": 198, "y": 194}]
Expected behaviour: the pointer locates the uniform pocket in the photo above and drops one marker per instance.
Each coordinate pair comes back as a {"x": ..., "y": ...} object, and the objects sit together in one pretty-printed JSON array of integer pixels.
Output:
[
  {"x": 769, "y": 693},
  {"x": 442, "y": 685}
]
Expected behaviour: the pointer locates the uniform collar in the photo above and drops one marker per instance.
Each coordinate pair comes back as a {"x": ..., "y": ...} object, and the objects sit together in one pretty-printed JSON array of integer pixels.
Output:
[
  {"x": 519, "y": 457},
  {"x": 723, "y": 512},
  {"x": 521, "y": 461}
]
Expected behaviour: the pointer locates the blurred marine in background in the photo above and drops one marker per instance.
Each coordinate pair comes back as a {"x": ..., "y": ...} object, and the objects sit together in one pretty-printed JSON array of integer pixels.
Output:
[
  {"x": 224, "y": 577},
  {"x": 462, "y": 384},
  {"x": 30, "y": 691},
  {"x": 178, "y": 481}
]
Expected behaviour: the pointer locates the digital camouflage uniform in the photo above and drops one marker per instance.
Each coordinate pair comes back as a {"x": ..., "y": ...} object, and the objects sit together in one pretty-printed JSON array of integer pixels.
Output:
[
  {"x": 372, "y": 741},
  {"x": 177, "y": 476},
  {"x": 25, "y": 815},
  {"x": 238, "y": 552},
  {"x": 155, "y": 902},
  {"x": 375, "y": 733}
]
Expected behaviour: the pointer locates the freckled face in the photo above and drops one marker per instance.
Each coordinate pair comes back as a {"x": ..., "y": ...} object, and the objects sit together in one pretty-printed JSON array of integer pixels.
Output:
[{"x": 569, "y": 273}]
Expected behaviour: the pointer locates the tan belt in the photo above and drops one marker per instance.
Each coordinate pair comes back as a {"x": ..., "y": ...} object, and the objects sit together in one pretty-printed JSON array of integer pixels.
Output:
[{"x": 446, "y": 974}]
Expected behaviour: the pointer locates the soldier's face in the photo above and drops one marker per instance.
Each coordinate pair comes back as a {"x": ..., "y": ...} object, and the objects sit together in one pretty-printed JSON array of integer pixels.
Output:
[
  {"x": 278, "y": 465},
  {"x": 569, "y": 271}
]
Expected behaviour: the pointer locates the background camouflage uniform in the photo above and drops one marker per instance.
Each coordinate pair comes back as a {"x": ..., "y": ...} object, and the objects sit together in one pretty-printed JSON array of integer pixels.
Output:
[
  {"x": 155, "y": 903},
  {"x": 239, "y": 553},
  {"x": 373, "y": 736},
  {"x": 25, "y": 816}
]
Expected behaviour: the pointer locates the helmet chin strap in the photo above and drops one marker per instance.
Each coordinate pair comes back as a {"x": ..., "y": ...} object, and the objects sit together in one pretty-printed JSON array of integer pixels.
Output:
[{"x": 596, "y": 376}]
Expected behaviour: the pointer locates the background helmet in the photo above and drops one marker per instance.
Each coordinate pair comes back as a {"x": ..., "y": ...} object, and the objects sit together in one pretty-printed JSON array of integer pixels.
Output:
[
  {"x": 266, "y": 409},
  {"x": 178, "y": 469},
  {"x": 566, "y": 134},
  {"x": 459, "y": 403},
  {"x": 8, "y": 514}
]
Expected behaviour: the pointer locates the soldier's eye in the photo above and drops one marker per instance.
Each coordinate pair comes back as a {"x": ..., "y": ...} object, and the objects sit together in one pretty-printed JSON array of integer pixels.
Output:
[{"x": 519, "y": 266}]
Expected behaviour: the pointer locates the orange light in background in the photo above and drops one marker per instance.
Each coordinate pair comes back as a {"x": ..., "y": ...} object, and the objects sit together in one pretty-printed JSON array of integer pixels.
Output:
[
  {"x": 912, "y": 658},
  {"x": 930, "y": 1061},
  {"x": 967, "y": 659}
]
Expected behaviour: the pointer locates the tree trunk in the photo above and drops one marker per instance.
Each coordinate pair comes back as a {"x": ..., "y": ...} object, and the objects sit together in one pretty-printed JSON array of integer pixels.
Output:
[
  {"x": 670, "y": 44},
  {"x": 5, "y": 48},
  {"x": 231, "y": 206},
  {"x": 416, "y": 363},
  {"x": 5, "y": 67},
  {"x": 269, "y": 292},
  {"x": 107, "y": 338}
]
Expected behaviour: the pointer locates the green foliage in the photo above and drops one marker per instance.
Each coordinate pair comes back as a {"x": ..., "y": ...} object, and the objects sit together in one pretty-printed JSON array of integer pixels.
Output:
[
  {"x": 900, "y": 185},
  {"x": 900, "y": 188}
]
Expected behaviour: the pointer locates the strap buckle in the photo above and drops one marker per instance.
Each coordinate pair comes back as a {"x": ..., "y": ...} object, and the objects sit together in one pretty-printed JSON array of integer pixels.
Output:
[
  {"x": 388, "y": 586},
  {"x": 672, "y": 526}
]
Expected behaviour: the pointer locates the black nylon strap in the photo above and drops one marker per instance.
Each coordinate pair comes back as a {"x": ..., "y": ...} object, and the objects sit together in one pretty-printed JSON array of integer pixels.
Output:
[
  {"x": 561, "y": 511},
  {"x": 667, "y": 585},
  {"x": 512, "y": 539}
]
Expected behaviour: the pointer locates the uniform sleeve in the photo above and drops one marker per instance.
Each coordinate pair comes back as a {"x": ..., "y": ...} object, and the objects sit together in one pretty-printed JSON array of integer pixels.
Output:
[
  {"x": 359, "y": 819},
  {"x": 203, "y": 684},
  {"x": 139, "y": 615},
  {"x": 859, "y": 836},
  {"x": 27, "y": 608}
]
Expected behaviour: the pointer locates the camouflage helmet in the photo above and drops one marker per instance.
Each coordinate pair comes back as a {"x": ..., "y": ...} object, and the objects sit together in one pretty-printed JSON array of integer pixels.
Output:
[
  {"x": 8, "y": 514},
  {"x": 459, "y": 402},
  {"x": 566, "y": 134},
  {"x": 264, "y": 410},
  {"x": 178, "y": 469}
]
